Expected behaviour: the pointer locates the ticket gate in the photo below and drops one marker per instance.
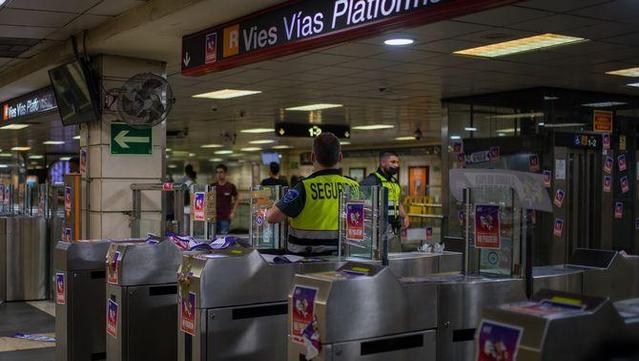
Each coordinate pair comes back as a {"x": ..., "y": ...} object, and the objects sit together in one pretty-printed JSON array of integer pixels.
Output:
[
  {"x": 552, "y": 326},
  {"x": 26, "y": 258},
  {"x": 80, "y": 300},
  {"x": 141, "y": 295}
]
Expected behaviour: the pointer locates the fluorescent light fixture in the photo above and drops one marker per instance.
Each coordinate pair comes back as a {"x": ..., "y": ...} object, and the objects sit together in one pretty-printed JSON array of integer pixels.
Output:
[
  {"x": 21, "y": 149},
  {"x": 405, "y": 138},
  {"x": 541, "y": 124},
  {"x": 262, "y": 141},
  {"x": 227, "y": 94},
  {"x": 65, "y": 158},
  {"x": 603, "y": 104},
  {"x": 374, "y": 127},
  {"x": 258, "y": 130},
  {"x": 282, "y": 147},
  {"x": 77, "y": 137},
  {"x": 501, "y": 134},
  {"x": 548, "y": 98},
  {"x": 507, "y": 130},
  {"x": 250, "y": 149},
  {"x": 3, "y": 166},
  {"x": 345, "y": 143},
  {"x": 517, "y": 115},
  {"x": 168, "y": 149},
  {"x": 172, "y": 166},
  {"x": 222, "y": 152},
  {"x": 564, "y": 125},
  {"x": 235, "y": 155},
  {"x": 312, "y": 107},
  {"x": 522, "y": 45},
  {"x": 191, "y": 155},
  {"x": 53, "y": 142},
  {"x": 180, "y": 153},
  {"x": 216, "y": 160},
  {"x": 636, "y": 85},
  {"x": 470, "y": 129},
  {"x": 212, "y": 146},
  {"x": 399, "y": 41},
  {"x": 34, "y": 156},
  {"x": 629, "y": 72},
  {"x": 455, "y": 137},
  {"x": 6, "y": 155},
  {"x": 14, "y": 126}
]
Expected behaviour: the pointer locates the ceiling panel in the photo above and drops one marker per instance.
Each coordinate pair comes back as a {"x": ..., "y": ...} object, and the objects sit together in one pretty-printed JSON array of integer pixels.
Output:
[
  {"x": 505, "y": 16},
  {"x": 10, "y": 16},
  {"x": 67, "y": 6},
  {"x": 560, "y": 5},
  {"x": 114, "y": 7},
  {"x": 80, "y": 23}
]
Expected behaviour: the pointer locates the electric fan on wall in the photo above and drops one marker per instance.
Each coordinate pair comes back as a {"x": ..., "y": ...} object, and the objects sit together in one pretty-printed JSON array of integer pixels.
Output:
[{"x": 145, "y": 100}]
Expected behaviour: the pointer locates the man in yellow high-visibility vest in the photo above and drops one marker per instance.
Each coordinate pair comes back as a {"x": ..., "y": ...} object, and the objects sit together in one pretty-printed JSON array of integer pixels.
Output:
[
  {"x": 312, "y": 205},
  {"x": 386, "y": 176}
]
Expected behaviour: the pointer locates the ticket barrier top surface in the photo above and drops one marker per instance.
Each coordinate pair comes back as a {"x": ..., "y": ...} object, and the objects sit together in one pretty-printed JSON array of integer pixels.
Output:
[
  {"x": 554, "y": 325},
  {"x": 84, "y": 254},
  {"x": 144, "y": 263}
]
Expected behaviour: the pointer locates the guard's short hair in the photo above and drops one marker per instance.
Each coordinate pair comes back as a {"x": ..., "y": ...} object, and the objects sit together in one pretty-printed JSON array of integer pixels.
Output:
[
  {"x": 327, "y": 149},
  {"x": 222, "y": 167},
  {"x": 275, "y": 168},
  {"x": 387, "y": 153}
]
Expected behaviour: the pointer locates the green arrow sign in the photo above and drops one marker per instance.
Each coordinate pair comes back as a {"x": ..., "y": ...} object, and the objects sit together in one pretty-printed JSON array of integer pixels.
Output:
[{"x": 127, "y": 140}]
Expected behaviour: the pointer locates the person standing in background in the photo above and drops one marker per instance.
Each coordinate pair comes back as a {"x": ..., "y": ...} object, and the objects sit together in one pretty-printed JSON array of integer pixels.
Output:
[
  {"x": 227, "y": 200},
  {"x": 274, "y": 176}
]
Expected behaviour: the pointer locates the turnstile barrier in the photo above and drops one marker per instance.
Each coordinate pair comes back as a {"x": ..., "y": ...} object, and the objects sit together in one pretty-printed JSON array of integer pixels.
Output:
[{"x": 264, "y": 235}]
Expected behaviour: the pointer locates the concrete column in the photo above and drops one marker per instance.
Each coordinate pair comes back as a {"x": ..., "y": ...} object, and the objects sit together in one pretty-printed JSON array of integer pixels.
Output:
[{"x": 106, "y": 183}]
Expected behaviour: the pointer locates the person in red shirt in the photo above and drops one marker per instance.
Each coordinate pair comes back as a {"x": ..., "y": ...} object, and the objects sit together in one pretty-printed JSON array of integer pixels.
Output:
[{"x": 227, "y": 200}]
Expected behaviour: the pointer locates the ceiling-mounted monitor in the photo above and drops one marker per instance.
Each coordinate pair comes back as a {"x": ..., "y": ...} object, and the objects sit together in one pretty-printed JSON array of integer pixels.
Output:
[{"x": 75, "y": 92}]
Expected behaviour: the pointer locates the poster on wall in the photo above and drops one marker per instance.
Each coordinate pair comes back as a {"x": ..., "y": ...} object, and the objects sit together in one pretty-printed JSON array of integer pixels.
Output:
[
  {"x": 602, "y": 121},
  {"x": 355, "y": 221},
  {"x": 487, "y": 226},
  {"x": 497, "y": 341},
  {"x": 417, "y": 181}
]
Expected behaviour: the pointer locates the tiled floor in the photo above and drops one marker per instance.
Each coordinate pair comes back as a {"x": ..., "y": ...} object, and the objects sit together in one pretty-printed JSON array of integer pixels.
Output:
[{"x": 26, "y": 318}]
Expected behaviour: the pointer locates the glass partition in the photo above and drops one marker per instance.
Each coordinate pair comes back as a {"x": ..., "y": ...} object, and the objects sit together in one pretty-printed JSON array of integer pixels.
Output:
[{"x": 263, "y": 234}]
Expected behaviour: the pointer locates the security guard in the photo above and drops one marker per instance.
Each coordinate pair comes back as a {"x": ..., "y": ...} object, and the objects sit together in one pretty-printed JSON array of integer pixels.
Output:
[
  {"x": 385, "y": 176},
  {"x": 313, "y": 204}
]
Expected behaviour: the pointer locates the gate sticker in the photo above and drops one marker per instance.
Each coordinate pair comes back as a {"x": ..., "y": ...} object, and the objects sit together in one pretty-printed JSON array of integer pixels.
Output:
[
  {"x": 547, "y": 178},
  {"x": 114, "y": 267},
  {"x": 497, "y": 341},
  {"x": 618, "y": 210},
  {"x": 112, "y": 318},
  {"x": 533, "y": 163},
  {"x": 458, "y": 147},
  {"x": 607, "y": 184},
  {"x": 187, "y": 314},
  {"x": 303, "y": 313},
  {"x": 637, "y": 224},
  {"x": 198, "y": 207},
  {"x": 60, "y": 288},
  {"x": 494, "y": 154},
  {"x": 606, "y": 141},
  {"x": 625, "y": 184},
  {"x": 429, "y": 234},
  {"x": 67, "y": 201},
  {"x": 487, "y": 226},
  {"x": 608, "y": 164},
  {"x": 83, "y": 160},
  {"x": 355, "y": 221},
  {"x": 621, "y": 160},
  {"x": 67, "y": 234},
  {"x": 558, "y": 228},
  {"x": 560, "y": 195}
]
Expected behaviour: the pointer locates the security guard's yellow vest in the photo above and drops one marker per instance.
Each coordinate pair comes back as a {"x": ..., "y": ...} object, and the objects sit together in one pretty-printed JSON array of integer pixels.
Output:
[
  {"x": 394, "y": 194},
  {"x": 321, "y": 207}
]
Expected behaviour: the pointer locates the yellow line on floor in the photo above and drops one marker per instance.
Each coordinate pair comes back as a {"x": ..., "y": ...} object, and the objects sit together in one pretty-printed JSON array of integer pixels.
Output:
[{"x": 16, "y": 344}]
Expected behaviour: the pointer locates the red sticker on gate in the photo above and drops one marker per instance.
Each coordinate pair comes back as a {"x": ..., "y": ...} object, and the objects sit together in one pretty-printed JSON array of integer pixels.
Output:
[
  {"x": 167, "y": 187},
  {"x": 560, "y": 195},
  {"x": 187, "y": 314},
  {"x": 487, "y": 226},
  {"x": 625, "y": 184},
  {"x": 429, "y": 234},
  {"x": 112, "y": 318},
  {"x": 67, "y": 201},
  {"x": 533, "y": 163},
  {"x": 114, "y": 267},
  {"x": 303, "y": 312},
  {"x": 558, "y": 228},
  {"x": 621, "y": 160},
  {"x": 355, "y": 221},
  {"x": 547, "y": 178},
  {"x": 607, "y": 184},
  {"x": 618, "y": 210},
  {"x": 608, "y": 163},
  {"x": 60, "y": 289}
]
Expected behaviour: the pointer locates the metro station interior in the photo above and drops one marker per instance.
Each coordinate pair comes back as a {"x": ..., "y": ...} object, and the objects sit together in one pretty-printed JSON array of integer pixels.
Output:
[{"x": 336, "y": 180}]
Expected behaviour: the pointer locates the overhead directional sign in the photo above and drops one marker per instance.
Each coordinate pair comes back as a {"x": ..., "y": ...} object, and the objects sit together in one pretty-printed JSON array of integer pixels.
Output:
[
  {"x": 311, "y": 130},
  {"x": 127, "y": 140},
  {"x": 301, "y": 25}
]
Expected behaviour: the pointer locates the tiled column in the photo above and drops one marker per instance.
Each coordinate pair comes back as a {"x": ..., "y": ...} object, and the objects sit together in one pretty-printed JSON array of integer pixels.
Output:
[{"x": 106, "y": 183}]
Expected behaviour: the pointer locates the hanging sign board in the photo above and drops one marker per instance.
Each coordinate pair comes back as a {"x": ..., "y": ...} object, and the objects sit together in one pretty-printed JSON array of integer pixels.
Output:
[
  {"x": 602, "y": 121},
  {"x": 40, "y": 101},
  {"x": 301, "y": 25},
  {"x": 302, "y": 130}
]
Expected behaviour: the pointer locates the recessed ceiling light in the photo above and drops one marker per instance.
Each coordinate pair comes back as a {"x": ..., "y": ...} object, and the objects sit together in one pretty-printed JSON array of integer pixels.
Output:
[
  {"x": 455, "y": 137},
  {"x": 191, "y": 155},
  {"x": 227, "y": 94},
  {"x": 172, "y": 166},
  {"x": 65, "y": 158},
  {"x": 374, "y": 127},
  {"x": 405, "y": 138},
  {"x": 507, "y": 130},
  {"x": 180, "y": 153},
  {"x": 399, "y": 41},
  {"x": 53, "y": 142},
  {"x": 14, "y": 126},
  {"x": 225, "y": 151},
  {"x": 235, "y": 155},
  {"x": 251, "y": 149},
  {"x": 216, "y": 160},
  {"x": 345, "y": 143},
  {"x": 6, "y": 155},
  {"x": 517, "y": 115},
  {"x": 636, "y": 85},
  {"x": 212, "y": 146},
  {"x": 34, "y": 156},
  {"x": 21, "y": 149},
  {"x": 522, "y": 45},
  {"x": 564, "y": 125},
  {"x": 470, "y": 129},
  {"x": 312, "y": 107},
  {"x": 77, "y": 137},
  {"x": 262, "y": 141},
  {"x": 282, "y": 147},
  {"x": 4, "y": 166},
  {"x": 258, "y": 130},
  {"x": 603, "y": 104},
  {"x": 541, "y": 124},
  {"x": 501, "y": 134},
  {"x": 629, "y": 72}
]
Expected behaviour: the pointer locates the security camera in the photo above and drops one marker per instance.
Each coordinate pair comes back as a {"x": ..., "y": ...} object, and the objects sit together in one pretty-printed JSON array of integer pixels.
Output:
[
  {"x": 418, "y": 134},
  {"x": 214, "y": 108}
]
